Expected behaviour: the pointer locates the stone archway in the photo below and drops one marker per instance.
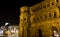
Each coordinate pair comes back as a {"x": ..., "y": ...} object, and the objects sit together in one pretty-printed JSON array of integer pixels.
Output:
[
  {"x": 40, "y": 32},
  {"x": 54, "y": 31}
]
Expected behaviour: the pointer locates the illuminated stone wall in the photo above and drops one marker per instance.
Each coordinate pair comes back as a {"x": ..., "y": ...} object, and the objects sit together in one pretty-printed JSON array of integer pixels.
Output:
[
  {"x": 41, "y": 16},
  {"x": 24, "y": 22}
]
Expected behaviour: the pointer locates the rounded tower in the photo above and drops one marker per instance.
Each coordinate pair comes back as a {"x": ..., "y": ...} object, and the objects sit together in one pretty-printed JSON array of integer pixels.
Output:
[{"x": 23, "y": 21}]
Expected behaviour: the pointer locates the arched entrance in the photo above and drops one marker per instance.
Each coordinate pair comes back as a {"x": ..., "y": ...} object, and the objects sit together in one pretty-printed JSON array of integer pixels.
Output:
[
  {"x": 55, "y": 31},
  {"x": 40, "y": 33}
]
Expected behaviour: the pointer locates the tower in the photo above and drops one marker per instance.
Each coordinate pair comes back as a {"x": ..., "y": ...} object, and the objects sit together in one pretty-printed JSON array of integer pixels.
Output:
[{"x": 24, "y": 21}]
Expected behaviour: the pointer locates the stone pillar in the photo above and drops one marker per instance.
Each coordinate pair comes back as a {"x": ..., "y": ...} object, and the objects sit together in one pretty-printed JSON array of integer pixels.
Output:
[{"x": 24, "y": 21}]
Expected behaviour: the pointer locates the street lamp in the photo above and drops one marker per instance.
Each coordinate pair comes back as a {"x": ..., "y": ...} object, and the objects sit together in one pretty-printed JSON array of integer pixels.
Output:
[{"x": 6, "y": 23}]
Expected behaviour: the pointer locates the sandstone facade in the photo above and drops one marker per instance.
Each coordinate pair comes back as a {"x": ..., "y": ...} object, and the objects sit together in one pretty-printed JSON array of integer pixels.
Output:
[{"x": 40, "y": 20}]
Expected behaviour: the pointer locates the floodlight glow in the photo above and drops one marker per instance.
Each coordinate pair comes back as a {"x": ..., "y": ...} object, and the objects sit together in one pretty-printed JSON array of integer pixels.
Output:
[
  {"x": 6, "y": 24},
  {"x": 57, "y": 35}
]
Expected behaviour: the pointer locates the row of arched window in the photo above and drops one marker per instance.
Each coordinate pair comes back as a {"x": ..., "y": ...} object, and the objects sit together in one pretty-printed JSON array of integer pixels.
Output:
[
  {"x": 49, "y": 15},
  {"x": 45, "y": 16},
  {"x": 42, "y": 7}
]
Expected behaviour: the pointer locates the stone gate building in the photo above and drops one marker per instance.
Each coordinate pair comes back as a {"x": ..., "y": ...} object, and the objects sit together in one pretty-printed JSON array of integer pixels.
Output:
[{"x": 40, "y": 20}]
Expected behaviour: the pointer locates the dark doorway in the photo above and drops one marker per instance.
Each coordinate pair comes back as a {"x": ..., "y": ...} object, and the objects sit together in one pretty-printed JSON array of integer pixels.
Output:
[{"x": 40, "y": 33}]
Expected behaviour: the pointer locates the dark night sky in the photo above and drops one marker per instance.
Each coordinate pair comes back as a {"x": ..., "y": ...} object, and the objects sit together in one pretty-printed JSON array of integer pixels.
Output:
[{"x": 9, "y": 10}]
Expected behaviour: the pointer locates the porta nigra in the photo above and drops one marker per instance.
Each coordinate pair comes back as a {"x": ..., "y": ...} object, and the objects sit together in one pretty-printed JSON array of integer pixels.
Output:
[{"x": 40, "y": 20}]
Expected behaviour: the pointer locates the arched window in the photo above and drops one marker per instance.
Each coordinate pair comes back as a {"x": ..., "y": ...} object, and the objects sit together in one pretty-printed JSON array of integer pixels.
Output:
[
  {"x": 25, "y": 11},
  {"x": 41, "y": 17},
  {"x": 36, "y": 19},
  {"x": 57, "y": 1},
  {"x": 48, "y": 5},
  {"x": 44, "y": 6},
  {"x": 54, "y": 14},
  {"x": 49, "y": 15},
  {"x": 24, "y": 18},
  {"x": 33, "y": 10},
  {"x": 45, "y": 16},
  {"x": 52, "y": 3}
]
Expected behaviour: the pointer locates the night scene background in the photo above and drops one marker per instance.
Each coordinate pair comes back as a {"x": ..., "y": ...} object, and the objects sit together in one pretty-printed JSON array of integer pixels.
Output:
[{"x": 9, "y": 10}]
